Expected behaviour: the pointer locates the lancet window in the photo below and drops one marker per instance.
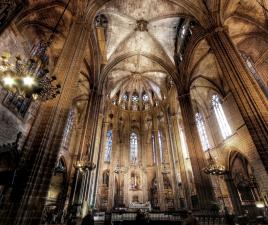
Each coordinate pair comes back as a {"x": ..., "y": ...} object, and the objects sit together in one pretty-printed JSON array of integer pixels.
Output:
[
  {"x": 160, "y": 140},
  {"x": 221, "y": 118},
  {"x": 200, "y": 123},
  {"x": 108, "y": 147},
  {"x": 68, "y": 130},
  {"x": 133, "y": 147}
]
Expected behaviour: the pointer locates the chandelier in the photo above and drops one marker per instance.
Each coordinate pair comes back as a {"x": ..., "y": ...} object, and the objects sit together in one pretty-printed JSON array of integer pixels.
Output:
[
  {"x": 84, "y": 165},
  {"x": 213, "y": 168},
  {"x": 30, "y": 78}
]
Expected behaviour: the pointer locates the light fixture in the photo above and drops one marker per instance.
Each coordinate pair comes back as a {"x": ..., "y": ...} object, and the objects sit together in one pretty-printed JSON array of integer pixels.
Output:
[
  {"x": 30, "y": 78},
  {"x": 83, "y": 165},
  {"x": 8, "y": 81},
  {"x": 214, "y": 168},
  {"x": 259, "y": 204},
  {"x": 28, "y": 81}
]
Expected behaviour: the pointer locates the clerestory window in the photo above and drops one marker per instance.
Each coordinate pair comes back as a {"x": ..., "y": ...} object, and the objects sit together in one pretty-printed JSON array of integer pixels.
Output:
[
  {"x": 133, "y": 147},
  {"x": 221, "y": 118},
  {"x": 200, "y": 123},
  {"x": 108, "y": 147}
]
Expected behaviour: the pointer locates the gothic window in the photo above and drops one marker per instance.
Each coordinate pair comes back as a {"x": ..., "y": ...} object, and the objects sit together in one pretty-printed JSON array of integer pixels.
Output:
[
  {"x": 135, "y": 98},
  {"x": 68, "y": 129},
  {"x": 153, "y": 149},
  {"x": 125, "y": 97},
  {"x": 17, "y": 104},
  {"x": 160, "y": 140},
  {"x": 145, "y": 98},
  {"x": 133, "y": 147},
  {"x": 200, "y": 123},
  {"x": 108, "y": 147},
  {"x": 221, "y": 118},
  {"x": 251, "y": 67}
]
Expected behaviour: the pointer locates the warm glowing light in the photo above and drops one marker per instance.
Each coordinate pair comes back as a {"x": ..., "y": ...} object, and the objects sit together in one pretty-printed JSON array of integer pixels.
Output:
[
  {"x": 221, "y": 118},
  {"x": 259, "y": 204},
  {"x": 8, "y": 81},
  {"x": 28, "y": 81}
]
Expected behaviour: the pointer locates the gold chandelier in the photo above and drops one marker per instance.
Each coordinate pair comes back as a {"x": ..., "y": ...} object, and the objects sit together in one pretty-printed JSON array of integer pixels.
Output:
[
  {"x": 214, "y": 168},
  {"x": 30, "y": 78},
  {"x": 84, "y": 165}
]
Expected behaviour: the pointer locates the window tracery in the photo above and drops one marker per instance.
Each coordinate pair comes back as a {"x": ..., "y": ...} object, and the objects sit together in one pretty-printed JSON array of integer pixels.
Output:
[
  {"x": 17, "y": 104},
  {"x": 125, "y": 97},
  {"x": 252, "y": 69},
  {"x": 200, "y": 123},
  {"x": 145, "y": 98},
  {"x": 133, "y": 147},
  {"x": 68, "y": 130},
  {"x": 108, "y": 147},
  {"x": 220, "y": 116},
  {"x": 160, "y": 140},
  {"x": 135, "y": 98}
]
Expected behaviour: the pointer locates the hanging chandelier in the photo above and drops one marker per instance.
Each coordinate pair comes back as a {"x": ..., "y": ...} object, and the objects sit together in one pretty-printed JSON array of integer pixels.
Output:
[
  {"x": 214, "y": 168},
  {"x": 84, "y": 165},
  {"x": 30, "y": 78}
]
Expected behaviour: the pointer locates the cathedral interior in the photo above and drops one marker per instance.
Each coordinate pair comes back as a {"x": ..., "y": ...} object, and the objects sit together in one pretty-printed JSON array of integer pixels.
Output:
[{"x": 111, "y": 106}]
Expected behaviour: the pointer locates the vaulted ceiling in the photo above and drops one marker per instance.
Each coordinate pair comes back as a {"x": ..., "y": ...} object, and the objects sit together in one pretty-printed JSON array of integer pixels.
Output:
[
  {"x": 140, "y": 41},
  {"x": 148, "y": 30}
]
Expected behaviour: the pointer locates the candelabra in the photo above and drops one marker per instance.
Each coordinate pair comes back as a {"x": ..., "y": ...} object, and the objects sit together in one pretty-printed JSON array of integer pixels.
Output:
[
  {"x": 83, "y": 165},
  {"x": 213, "y": 168},
  {"x": 30, "y": 78}
]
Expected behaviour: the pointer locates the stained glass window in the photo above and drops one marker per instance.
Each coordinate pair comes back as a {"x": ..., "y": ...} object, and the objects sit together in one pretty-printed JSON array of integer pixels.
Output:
[
  {"x": 160, "y": 140},
  {"x": 251, "y": 67},
  {"x": 133, "y": 147},
  {"x": 17, "y": 104},
  {"x": 202, "y": 131},
  {"x": 145, "y": 98},
  {"x": 68, "y": 130},
  {"x": 135, "y": 98},
  {"x": 221, "y": 118},
  {"x": 108, "y": 147},
  {"x": 125, "y": 97}
]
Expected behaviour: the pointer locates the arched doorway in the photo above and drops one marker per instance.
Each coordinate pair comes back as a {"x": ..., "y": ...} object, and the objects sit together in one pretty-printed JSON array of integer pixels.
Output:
[
  {"x": 241, "y": 183},
  {"x": 56, "y": 196}
]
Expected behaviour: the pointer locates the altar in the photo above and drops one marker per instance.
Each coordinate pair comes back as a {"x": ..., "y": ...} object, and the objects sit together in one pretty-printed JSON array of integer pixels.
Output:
[{"x": 137, "y": 205}]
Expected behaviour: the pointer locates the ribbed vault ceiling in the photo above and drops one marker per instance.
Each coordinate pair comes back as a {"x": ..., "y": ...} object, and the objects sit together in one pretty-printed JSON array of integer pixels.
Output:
[{"x": 139, "y": 26}]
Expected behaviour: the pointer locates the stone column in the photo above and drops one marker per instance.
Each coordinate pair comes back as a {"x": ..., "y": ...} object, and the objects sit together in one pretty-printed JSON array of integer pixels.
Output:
[
  {"x": 159, "y": 175},
  {"x": 144, "y": 160},
  {"x": 101, "y": 161},
  {"x": 43, "y": 144},
  {"x": 126, "y": 159},
  {"x": 233, "y": 193},
  {"x": 251, "y": 101},
  {"x": 198, "y": 161},
  {"x": 180, "y": 163},
  {"x": 96, "y": 155},
  {"x": 172, "y": 159}
]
